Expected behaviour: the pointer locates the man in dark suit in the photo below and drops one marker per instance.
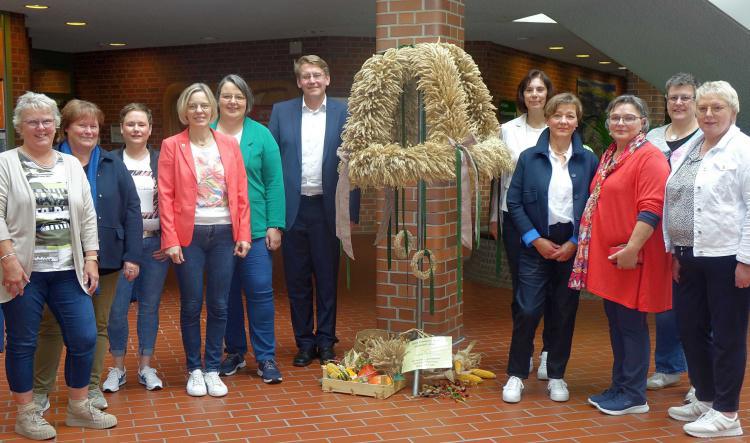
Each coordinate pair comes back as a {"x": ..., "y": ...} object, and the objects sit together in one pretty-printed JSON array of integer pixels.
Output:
[{"x": 308, "y": 131}]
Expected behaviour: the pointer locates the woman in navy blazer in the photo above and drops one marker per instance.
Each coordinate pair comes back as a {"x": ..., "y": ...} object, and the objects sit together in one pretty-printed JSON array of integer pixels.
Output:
[{"x": 546, "y": 199}]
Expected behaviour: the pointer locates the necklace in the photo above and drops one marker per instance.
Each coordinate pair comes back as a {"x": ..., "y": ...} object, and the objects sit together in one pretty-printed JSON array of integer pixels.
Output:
[
  {"x": 202, "y": 143},
  {"x": 45, "y": 163}
]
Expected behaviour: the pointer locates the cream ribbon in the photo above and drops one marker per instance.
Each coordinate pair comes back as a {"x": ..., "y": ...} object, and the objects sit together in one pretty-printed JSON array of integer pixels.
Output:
[{"x": 343, "y": 226}]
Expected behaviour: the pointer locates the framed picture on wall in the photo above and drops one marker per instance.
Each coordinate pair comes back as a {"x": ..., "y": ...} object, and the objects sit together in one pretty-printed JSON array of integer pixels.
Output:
[{"x": 595, "y": 96}]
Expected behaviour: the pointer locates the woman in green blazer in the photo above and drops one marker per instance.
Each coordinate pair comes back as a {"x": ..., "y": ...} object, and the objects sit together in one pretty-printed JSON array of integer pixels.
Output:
[{"x": 253, "y": 274}]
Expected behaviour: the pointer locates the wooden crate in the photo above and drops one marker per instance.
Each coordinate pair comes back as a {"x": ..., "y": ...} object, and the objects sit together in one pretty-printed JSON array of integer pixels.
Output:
[{"x": 356, "y": 388}]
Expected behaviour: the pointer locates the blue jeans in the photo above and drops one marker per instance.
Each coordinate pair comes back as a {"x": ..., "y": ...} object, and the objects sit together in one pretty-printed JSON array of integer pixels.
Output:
[
  {"x": 668, "y": 356},
  {"x": 2, "y": 331},
  {"x": 631, "y": 350},
  {"x": 253, "y": 275},
  {"x": 147, "y": 288},
  {"x": 211, "y": 251},
  {"x": 72, "y": 309}
]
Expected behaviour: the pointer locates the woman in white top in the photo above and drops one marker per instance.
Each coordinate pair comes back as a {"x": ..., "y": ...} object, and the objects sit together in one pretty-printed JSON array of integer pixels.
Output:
[
  {"x": 520, "y": 134},
  {"x": 707, "y": 228},
  {"x": 142, "y": 163}
]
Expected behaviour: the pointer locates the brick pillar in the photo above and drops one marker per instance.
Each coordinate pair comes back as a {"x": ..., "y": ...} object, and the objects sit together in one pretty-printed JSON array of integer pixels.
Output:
[
  {"x": 402, "y": 22},
  {"x": 653, "y": 97},
  {"x": 405, "y": 22}
]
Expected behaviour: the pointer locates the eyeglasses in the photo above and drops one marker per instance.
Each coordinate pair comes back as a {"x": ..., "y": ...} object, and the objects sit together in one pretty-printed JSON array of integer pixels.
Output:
[
  {"x": 192, "y": 107},
  {"x": 314, "y": 75},
  {"x": 683, "y": 98},
  {"x": 628, "y": 119},
  {"x": 49, "y": 123},
  {"x": 237, "y": 97},
  {"x": 715, "y": 109}
]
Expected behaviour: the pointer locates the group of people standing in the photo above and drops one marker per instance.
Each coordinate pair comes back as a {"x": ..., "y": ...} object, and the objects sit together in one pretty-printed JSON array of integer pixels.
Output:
[
  {"x": 659, "y": 224},
  {"x": 85, "y": 231}
]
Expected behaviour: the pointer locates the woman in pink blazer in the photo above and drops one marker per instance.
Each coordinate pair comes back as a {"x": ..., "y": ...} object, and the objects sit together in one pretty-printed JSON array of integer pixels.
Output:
[{"x": 205, "y": 222}]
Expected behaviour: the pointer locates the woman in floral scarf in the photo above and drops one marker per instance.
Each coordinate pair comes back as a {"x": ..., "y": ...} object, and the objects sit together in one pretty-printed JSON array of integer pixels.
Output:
[{"x": 621, "y": 255}]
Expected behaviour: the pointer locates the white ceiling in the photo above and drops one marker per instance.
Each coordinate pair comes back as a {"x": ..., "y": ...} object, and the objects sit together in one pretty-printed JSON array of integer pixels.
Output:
[{"x": 148, "y": 23}]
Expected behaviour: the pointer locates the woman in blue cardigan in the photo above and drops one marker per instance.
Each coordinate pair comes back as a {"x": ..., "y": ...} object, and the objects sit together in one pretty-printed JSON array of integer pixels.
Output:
[
  {"x": 547, "y": 195},
  {"x": 120, "y": 229}
]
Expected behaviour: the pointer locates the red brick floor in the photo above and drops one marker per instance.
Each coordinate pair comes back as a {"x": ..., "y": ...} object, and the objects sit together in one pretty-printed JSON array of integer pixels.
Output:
[{"x": 297, "y": 410}]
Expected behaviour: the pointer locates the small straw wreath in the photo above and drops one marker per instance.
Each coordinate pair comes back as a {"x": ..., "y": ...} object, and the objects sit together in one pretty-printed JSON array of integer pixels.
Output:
[
  {"x": 399, "y": 246},
  {"x": 422, "y": 275}
]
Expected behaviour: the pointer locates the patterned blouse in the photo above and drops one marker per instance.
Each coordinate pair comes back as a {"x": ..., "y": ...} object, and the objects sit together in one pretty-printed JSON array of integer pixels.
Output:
[{"x": 680, "y": 199}]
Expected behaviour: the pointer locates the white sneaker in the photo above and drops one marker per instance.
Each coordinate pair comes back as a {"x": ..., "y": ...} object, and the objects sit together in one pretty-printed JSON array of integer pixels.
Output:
[
  {"x": 115, "y": 379},
  {"x": 216, "y": 387},
  {"x": 512, "y": 390},
  {"x": 714, "y": 424},
  {"x": 558, "y": 389},
  {"x": 147, "y": 377},
  {"x": 660, "y": 380},
  {"x": 41, "y": 401},
  {"x": 541, "y": 373},
  {"x": 689, "y": 412},
  {"x": 690, "y": 396},
  {"x": 196, "y": 385}
]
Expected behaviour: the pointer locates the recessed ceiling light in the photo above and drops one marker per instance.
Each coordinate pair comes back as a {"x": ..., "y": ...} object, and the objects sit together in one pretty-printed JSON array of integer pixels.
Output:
[
  {"x": 622, "y": 68},
  {"x": 605, "y": 62},
  {"x": 117, "y": 44},
  {"x": 208, "y": 38},
  {"x": 522, "y": 38},
  {"x": 37, "y": 6},
  {"x": 556, "y": 48},
  {"x": 537, "y": 18},
  {"x": 583, "y": 55},
  {"x": 75, "y": 23}
]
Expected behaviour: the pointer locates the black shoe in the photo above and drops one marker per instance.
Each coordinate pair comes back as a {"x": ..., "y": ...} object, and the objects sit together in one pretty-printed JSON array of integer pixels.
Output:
[
  {"x": 304, "y": 357},
  {"x": 326, "y": 354}
]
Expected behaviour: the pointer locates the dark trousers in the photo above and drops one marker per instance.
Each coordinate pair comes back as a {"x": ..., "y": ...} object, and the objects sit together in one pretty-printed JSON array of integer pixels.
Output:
[
  {"x": 543, "y": 288},
  {"x": 712, "y": 316},
  {"x": 631, "y": 350},
  {"x": 513, "y": 246},
  {"x": 310, "y": 249}
]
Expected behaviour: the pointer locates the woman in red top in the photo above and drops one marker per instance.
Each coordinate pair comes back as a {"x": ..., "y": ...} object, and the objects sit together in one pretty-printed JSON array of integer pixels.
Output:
[
  {"x": 205, "y": 222},
  {"x": 624, "y": 211}
]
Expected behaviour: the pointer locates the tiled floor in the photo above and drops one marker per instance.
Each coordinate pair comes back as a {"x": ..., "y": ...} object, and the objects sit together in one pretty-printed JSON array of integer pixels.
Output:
[{"x": 297, "y": 410}]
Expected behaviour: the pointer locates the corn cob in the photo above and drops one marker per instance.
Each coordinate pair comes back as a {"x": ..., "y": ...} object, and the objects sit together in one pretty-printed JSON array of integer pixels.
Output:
[{"x": 483, "y": 373}]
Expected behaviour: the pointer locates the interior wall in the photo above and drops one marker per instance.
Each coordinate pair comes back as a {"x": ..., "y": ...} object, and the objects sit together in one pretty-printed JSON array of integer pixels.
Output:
[{"x": 114, "y": 78}]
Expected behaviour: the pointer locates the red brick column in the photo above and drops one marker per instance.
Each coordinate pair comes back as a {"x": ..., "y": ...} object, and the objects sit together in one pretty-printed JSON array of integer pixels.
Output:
[
  {"x": 651, "y": 95},
  {"x": 405, "y": 22},
  {"x": 402, "y": 22}
]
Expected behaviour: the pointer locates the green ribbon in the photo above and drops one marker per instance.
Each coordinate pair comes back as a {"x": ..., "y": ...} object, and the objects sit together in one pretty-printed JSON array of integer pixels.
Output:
[{"x": 459, "y": 243}]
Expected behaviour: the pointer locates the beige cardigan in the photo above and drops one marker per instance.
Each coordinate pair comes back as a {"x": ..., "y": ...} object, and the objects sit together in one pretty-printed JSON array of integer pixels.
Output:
[{"x": 18, "y": 209}]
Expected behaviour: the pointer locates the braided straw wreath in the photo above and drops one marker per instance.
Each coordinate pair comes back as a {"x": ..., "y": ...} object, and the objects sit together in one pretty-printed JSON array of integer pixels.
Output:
[{"x": 457, "y": 105}]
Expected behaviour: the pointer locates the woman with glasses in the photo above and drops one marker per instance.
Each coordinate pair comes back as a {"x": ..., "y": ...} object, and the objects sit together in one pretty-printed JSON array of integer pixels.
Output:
[
  {"x": 621, "y": 255},
  {"x": 48, "y": 254},
  {"x": 254, "y": 273},
  {"x": 119, "y": 225},
  {"x": 546, "y": 198},
  {"x": 707, "y": 228},
  {"x": 520, "y": 134},
  {"x": 205, "y": 223},
  {"x": 682, "y": 129}
]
